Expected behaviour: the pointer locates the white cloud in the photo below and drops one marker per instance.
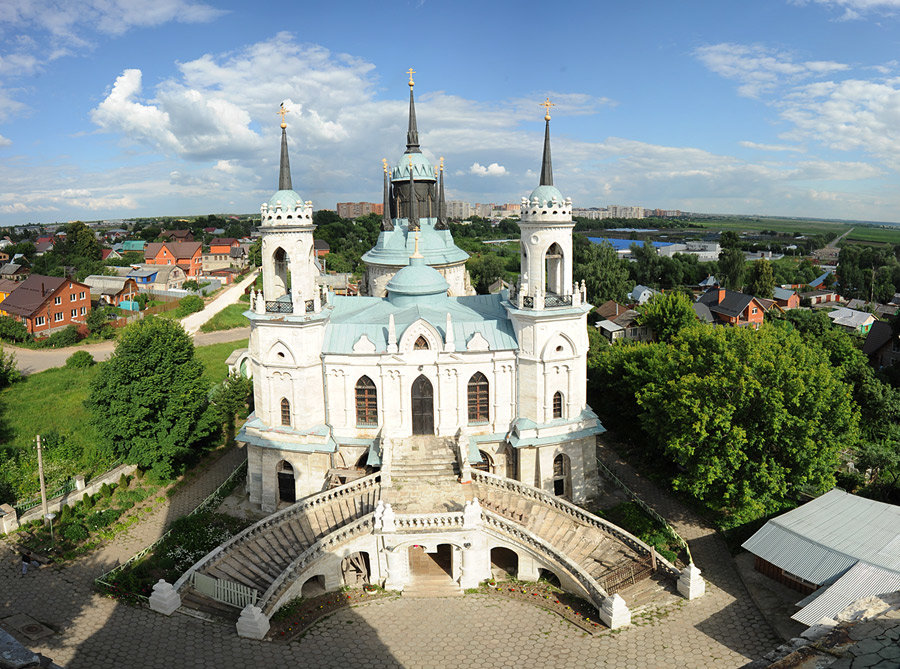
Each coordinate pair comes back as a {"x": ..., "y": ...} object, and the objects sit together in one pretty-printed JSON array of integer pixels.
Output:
[
  {"x": 5, "y": 141},
  {"x": 492, "y": 170},
  {"x": 856, "y": 9},
  {"x": 770, "y": 147},
  {"x": 760, "y": 69}
]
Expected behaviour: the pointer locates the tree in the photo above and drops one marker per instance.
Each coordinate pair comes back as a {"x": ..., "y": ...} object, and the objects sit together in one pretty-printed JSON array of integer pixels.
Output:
[
  {"x": 255, "y": 254},
  {"x": 667, "y": 314},
  {"x": 230, "y": 398},
  {"x": 731, "y": 266},
  {"x": 13, "y": 330},
  {"x": 9, "y": 372},
  {"x": 729, "y": 240},
  {"x": 149, "y": 401},
  {"x": 762, "y": 280},
  {"x": 605, "y": 275},
  {"x": 484, "y": 269}
]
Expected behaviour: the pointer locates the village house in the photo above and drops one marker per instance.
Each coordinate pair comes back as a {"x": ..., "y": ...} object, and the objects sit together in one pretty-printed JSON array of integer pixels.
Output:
[
  {"x": 882, "y": 344},
  {"x": 177, "y": 235},
  {"x": 186, "y": 255},
  {"x": 112, "y": 290},
  {"x": 641, "y": 294},
  {"x": 625, "y": 328},
  {"x": 224, "y": 252},
  {"x": 14, "y": 272},
  {"x": 158, "y": 277},
  {"x": 730, "y": 307},
  {"x": 48, "y": 303},
  {"x": 133, "y": 245},
  {"x": 851, "y": 319},
  {"x": 6, "y": 287},
  {"x": 786, "y": 298},
  {"x": 818, "y": 297}
]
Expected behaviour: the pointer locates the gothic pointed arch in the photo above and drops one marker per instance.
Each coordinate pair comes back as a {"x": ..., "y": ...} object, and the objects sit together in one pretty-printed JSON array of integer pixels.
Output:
[
  {"x": 559, "y": 347},
  {"x": 285, "y": 411},
  {"x": 366, "y": 402},
  {"x": 478, "y": 402},
  {"x": 420, "y": 329},
  {"x": 280, "y": 354}
]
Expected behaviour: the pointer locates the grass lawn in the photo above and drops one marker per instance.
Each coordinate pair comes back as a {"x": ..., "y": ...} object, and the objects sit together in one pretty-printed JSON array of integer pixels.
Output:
[
  {"x": 871, "y": 234},
  {"x": 230, "y": 317},
  {"x": 53, "y": 401}
]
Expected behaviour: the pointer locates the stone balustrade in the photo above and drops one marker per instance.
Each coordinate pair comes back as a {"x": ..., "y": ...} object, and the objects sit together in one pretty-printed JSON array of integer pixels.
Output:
[{"x": 427, "y": 522}]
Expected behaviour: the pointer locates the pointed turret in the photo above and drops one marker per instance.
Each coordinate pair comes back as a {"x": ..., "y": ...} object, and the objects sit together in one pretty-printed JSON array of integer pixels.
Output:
[
  {"x": 386, "y": 223},
  {"x": 546, "y": 165},
  {"x": 413, "y": 201},
  {"x": 441, "y": 223},
  {"x": 412, "y": 134},
  {"x": 284, "y": 173}
]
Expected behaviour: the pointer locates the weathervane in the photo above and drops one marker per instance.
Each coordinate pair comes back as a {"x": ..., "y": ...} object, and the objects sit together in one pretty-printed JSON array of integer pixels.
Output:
[
  {"x": 410, "y": 72},
  {"x": 282, "y": 112},
  {"x": 546, "y": 105}
]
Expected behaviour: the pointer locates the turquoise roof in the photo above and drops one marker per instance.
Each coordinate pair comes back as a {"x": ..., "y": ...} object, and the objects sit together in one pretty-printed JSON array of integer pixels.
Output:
[
  {"x": 416, "y": 281},
  {"x": 288, "y": 199},
  {"x": 546, "y": 193},
  {"x": 353, "y": 317},
  {"x": 421, "y": 168},
  {"x": 394, "y": 247}
]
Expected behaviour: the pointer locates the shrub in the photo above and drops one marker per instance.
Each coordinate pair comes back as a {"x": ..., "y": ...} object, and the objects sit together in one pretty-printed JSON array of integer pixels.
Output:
[
  {"x": 75, "y": 532},
  {"x": 80, "y": 360},
  {"x": 13, "y": 330},
  {"x": 65, "y": 337},
  {"x": 102, "y": 519},
  {"x": 65, "y": 513},
  {"x": 123, "y": 482},
  {"x": 189, "y": 305},
  {"x": 87, "y": 501},
  {"x": 105, "y": 491}
]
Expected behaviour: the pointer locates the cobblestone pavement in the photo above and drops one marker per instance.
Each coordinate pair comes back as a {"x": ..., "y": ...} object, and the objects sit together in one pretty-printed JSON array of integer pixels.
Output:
[{"x": 721, "y": 629}]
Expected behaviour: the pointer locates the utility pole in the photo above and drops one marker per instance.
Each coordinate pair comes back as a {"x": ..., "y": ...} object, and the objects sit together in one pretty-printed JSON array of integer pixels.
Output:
[{"x": 44, "y": 509}]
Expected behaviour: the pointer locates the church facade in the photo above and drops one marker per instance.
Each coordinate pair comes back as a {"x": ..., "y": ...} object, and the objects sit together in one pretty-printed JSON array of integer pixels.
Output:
[{"x": 340, "y": 381}]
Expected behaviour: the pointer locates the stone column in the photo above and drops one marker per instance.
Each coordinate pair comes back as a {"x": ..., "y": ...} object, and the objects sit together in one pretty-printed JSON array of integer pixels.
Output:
[
  {"x": 396, "y": 568},
  {"x": 529, "y": 569},
  {"x": 253, "y": 623},
  {"x": 79, "y": 482},
  {"x": 690, "y": 583},
  {"x": 614, "y": 612},
  {"x": 476, "y": 564},
  {"x": 164, "y": 599}
]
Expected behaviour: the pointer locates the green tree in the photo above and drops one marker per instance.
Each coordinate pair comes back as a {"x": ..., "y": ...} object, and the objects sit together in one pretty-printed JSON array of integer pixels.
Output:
[
  {"x": 256, "y": 253},
  {"x": 230, "y": 398},
  {"x": 484, "y": 269},
  {"x": 729, "y": 240},
  {"x": 13, "y": 330},
  {"x": 762, "y": 280},
  {"x": 149, "y": 401},
  {"x": 667, "y": 314},
  {"x": 605, "y": 275},
  {"x": 9, "y": 372},
  {"x": 731, "y": 266}
]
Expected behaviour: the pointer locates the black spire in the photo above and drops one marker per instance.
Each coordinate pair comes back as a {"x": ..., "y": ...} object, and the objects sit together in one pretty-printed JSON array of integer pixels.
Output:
[
  {"x": 413, "y": 202},
  {"x": 386, "y": 223},
  {"x": 284, "y": 173},
  {"x": 412, "y": 134},
  {"x": 546, "y": 166},
  {"x": 442, "y": 207}
]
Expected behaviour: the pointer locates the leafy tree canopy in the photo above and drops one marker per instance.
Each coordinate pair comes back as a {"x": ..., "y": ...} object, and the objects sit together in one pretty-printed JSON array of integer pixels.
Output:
[
  {"x": 605, "y": 275},
  {"x": 667, "y": 314},
  {"x": 762, "y": 279}
]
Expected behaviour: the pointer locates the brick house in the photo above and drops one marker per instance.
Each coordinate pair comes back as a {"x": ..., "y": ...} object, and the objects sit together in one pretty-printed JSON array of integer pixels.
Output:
[
  {"x": 224, "y": 252},
  {"x": 786, "y": 299},
  {"x": 186, "y": 255},
  {"x": 177, "y": 235},
  {"x": 48, "y": 303},
  {"x": 882, "y": 344},
  {"x": 730, "y": 307}
]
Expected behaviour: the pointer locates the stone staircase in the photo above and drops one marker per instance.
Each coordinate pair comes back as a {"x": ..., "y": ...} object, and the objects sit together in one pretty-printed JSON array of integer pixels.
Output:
[
  {"x": 428, "y": 458},
  {"x": 260, "y": 554}
]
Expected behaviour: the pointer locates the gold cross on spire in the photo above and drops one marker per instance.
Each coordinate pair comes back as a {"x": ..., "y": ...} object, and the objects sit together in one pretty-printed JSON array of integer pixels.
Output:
[
  {"x": 282, "y": 112},
  {"x": 384, "y": 163},
  {"x": 442, "y": 163},
  {"x": 411, "y": 72},
  {"x": 546, "y": 104}
]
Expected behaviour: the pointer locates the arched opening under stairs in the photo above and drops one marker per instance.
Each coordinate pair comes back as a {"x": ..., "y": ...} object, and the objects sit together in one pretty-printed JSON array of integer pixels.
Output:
[
  {"x": 287, "y": 488},
  {"x": 313, "y": 587},
  {"x": 431, "y": 568},
  {"x": 504, "y": 563},
  {"x": 356, "y": 569},
  {"x": 486, "y": 464}
]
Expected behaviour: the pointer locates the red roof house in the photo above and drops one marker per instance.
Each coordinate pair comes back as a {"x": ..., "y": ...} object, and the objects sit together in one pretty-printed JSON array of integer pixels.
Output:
[
  {"x": 187, "y": 255},
  {"x": 48, "y": 303}
]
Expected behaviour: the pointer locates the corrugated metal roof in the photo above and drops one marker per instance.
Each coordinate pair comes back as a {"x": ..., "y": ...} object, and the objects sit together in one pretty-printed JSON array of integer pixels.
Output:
[
  {"x": 863, "y": 580},
  {"x": 823, "y": 538}
]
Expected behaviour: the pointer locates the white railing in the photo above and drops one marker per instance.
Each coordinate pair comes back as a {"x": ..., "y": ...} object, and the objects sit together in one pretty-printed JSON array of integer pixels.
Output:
[
  {"x": 462, "y": 457},
  {"x": 227, "y": 592},
  {"x": 352, "y": 489},
  {"x": 387, "y": 457},
  {"x": 412, "y": 522},
  {"x": 576, "y": 512}
]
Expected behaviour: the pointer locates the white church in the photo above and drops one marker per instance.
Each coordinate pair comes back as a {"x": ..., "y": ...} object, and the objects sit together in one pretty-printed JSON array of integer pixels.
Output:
[
  {"x": 420, "y": 437},
  {"x": 340, "y": 381}
]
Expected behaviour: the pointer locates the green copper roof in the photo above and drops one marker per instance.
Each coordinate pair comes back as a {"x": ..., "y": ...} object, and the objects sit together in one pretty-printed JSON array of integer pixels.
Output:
[
  {"x": 421, "y": 168},
  {"x": 288, "y": 199},
  {"x": 394, "y": 247},
  {"x": 546, "y": 194},
  {"x": 416, "y": 281}
]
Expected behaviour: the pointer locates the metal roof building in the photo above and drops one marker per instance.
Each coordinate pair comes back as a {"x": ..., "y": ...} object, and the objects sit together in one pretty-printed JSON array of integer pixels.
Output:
[{"x": 848, "y": 544}]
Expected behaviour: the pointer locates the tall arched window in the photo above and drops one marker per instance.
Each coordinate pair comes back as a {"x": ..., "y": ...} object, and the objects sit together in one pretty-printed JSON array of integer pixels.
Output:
[
  {"x": 421, "y": 344},
  {"x": 562, "y": 476},
  {"x": 366, "y": 403},
  {"x": 557, "y": 405},
  {"x": 285, "y": 411},
  {"x": 478, "y": 399}
]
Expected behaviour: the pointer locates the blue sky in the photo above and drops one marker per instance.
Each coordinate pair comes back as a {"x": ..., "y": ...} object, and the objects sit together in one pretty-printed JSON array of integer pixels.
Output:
[{"x": 124, "y": 108}]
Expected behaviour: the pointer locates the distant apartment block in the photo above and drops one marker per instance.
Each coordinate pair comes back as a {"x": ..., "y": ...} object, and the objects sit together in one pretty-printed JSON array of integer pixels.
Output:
[
  {"x": 612, "y": 211},
  {"x": 458, "y": 209},
  {"x": 357, "y": 209}
]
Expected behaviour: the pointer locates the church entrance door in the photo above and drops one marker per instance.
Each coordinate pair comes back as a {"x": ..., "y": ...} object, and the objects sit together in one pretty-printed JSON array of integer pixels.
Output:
[{"x": 422, "y": 406}]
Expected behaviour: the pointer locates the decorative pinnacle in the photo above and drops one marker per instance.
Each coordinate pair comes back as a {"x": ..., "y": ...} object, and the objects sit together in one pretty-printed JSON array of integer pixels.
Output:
[
  {"x": 546, "y": 104},
  {"x": 384, "y": 163},
  {"x": 411, "y": 72},
  {"x": 282, "y": 112},
  {"x": 416, "y": 253},
  {"x": 442, "y": 163}
]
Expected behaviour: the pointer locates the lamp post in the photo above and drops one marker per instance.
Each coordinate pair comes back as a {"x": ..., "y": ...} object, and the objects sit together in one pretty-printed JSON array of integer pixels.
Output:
[{"x": 50, "y": 517}]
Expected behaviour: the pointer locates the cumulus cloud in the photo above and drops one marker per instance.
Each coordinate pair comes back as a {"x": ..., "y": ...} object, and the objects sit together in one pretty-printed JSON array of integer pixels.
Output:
[
  {"x": 770, "y": 147},
  {"x": 5, "y": 141},
  {"x": 492, "y": 170},
  {"x": 760, "y": 69},
  {"x": 857, "y": 9}
]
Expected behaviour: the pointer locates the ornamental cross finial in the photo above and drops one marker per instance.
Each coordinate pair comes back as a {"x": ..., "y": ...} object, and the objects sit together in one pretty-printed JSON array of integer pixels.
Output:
[
  {"x": 546, "y": 104},
  {"x": 411, "y": 72},
  {"x": 442, "y": 163},
  {"x": 384, "y": 163},
  {"x": 416, "y": 252},
  {"x": 282, "y": 112}
]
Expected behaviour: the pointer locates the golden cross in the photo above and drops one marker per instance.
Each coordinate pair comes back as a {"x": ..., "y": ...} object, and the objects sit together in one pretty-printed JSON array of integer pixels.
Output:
[
  {"x": 546, "y": 105},
  {"x": 282, "y": 112},
  {"x": 410, "y": 72},
  {"x": 384, "y": 162}
]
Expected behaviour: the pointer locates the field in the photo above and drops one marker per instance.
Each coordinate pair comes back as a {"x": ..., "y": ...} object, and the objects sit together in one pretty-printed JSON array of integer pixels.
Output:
[
  {"x": 784, "y": 225},
  {"x": 53, "y": 402},
  {"x": 872, "y": 234},
  {"x": 230, "y": 317}
]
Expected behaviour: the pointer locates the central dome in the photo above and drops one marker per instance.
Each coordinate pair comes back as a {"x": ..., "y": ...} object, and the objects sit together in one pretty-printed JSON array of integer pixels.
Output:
[{"x": 417, "y": 280}]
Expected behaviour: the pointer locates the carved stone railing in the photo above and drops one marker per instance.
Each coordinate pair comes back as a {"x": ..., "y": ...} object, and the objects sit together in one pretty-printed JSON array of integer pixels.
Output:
[
  {"x": 551, "y": 300},
  {"x": 426, "y": 522},
  {"x": 528, "y": 301},
  {"x": 322, "y": 547},
  {"x": 521, "y": 535},
  {"x": 461, "y": 446},
  {"x": 348, "y": 490},
  {"x": 579, "y": 514},
  {"x": 310, "y": 306},
  {"x": 279, "y": 307}
]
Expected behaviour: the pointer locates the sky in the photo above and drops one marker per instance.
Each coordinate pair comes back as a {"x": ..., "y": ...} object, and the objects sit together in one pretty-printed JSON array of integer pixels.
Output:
[{"x": 126, "y": 108}]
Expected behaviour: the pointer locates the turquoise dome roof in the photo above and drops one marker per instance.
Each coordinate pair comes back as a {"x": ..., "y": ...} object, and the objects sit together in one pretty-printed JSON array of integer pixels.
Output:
[
  {"x": 417, "y": 280},
  {"x": 421, "y": 168},
  {"x": 546, "y": 193},
  {"x": 288, "y": 199}
]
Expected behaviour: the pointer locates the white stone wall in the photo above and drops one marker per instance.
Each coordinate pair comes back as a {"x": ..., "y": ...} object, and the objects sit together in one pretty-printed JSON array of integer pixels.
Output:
[
  {"x": 537, "y": 238},
  {"x": 378, "y": 276}
]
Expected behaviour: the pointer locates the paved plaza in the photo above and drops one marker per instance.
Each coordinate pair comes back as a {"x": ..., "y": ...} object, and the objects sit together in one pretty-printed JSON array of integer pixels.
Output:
[{"x": 722, "y": 629}]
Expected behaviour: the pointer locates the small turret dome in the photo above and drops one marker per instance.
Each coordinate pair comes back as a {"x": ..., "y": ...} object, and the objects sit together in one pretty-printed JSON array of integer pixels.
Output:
[
  {"x": 287, "y": 198},
  {"x": 417, "y": 280},
  {"x": 546, "y": 194},
  {"x": 421, "y": 168}
]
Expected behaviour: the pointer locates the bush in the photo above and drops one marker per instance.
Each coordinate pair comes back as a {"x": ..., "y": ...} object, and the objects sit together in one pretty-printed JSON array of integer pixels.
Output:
[
  {"x": 80, "y": 360},
  {"x": 87, "y": 501},
  {"x": 102, "y": 519},
  {"x": 105, "y": 491},
  {"x": 123, "y": 482},
  {"x": 65, "y": 513},
  {"x": 189, "y": 305},
  {"x": 65, "y": 337},
  {"x": 13, "y": 330},
  {"x": 75, "y": 532}
]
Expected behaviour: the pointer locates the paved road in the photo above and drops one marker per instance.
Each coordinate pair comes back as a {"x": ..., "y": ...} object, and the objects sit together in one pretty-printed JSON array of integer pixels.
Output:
[
  {"x": 228, "y": 296},
  {"x": 721, "y": 629}
]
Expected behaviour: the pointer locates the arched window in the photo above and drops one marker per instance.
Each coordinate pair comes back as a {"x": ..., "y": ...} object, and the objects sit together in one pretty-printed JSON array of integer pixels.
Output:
[
  {"x": 478, "y": 399},
  {"x": 366, "y": 403},
  {"x": 557, "y": 405},
  {"x": 562, "y": 476},
  {"x": 285, "y": 411},
  {"x": 421, "y": 344}
]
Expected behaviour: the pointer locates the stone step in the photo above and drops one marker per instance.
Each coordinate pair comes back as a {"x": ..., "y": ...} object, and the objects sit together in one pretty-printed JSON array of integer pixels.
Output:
[{"x": 192, "y": 599}]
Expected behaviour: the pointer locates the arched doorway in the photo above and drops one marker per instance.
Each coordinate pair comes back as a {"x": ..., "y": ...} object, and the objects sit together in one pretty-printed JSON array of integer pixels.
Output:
[
  {"x": 313, "y": 587},
  {"x": 422, "y": 406},
  {"x": 431, "y": 566},
  {"x": 553, "y": 270},
  {"x": 280, "y": 261},
  {"x": 504, "y": 563},
  {"x": 287, "y": 490},
  {"x": 486, "y": 464},
  {"x": 549, "y": 577},
  {"x": 355, "y": 569},
  {"x": 562, "y": 476}
]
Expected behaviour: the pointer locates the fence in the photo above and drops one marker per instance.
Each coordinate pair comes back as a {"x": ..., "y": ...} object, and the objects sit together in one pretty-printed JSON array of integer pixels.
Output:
[
  {"x": 214, "y": 499},
  {"x": 224, "y": 591},
  {"x": 607, "y": 472},
  {"x": 22, "y": 507}
]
